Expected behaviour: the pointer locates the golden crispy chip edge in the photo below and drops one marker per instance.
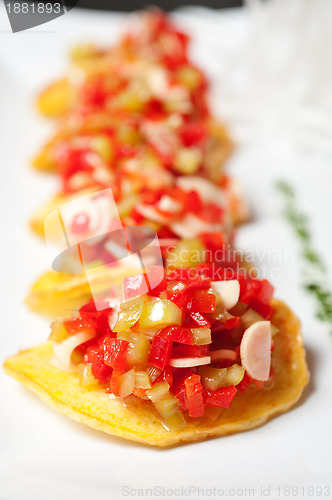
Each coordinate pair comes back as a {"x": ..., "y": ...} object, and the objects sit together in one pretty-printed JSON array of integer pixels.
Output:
[{"x": 60, "y": 390}]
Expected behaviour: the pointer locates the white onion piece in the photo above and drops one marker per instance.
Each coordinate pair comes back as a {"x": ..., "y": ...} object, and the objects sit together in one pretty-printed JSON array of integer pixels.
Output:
[
  {"x": 191, "y": 226},
  {"x": 157, "y": 81},
  {"x": 164, "y": 139},
  {"x": 189, "y": 362},
  {"x": 228, "y": 291},
  {"x": 208, "y": 192},
  {"x": 64, "y": 350},
  {"x": 168, "y": 204},
  {"x": 255, "y": 350},
  {"x": 113, "y": 316},
  {"x": 151, "y": 213},
  {"x": 223, "y": 354}
]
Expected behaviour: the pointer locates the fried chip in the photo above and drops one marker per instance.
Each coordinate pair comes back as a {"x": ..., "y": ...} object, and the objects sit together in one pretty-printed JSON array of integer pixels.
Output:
[
  {"x": 61, "y": 390},
  {"x": 58, "y": 294}
]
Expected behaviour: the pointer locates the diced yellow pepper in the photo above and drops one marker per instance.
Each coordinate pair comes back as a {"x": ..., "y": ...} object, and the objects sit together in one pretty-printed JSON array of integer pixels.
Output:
[
  {"x": 127, "y": 383},
  {"x": 201, "y": 336},
  {"x": 103, "y": 147},
  {"x": 216, "y": 378},
  {"x": 142, "y": 380},
  {"x": 159, "y": 391},
  {"x": 128, "y": 135},
  {"x": 250, "y": 317},
  {"x": 58, "y": 331},
  {"x": 188, "y": 252},
  {"x": 130, "y": 312},
  {"x": 130, "y": 101},
  {"x": 124, "y": 335},
  {"x": 86, "y": 379},
  {"x": 189, "y": 76},
  {"x": 188, "y": 160},
  {"x": 83, "y": 51},
  {"x": 235, "y": 374},
  {"x": 126, "y": 205},
  {"x": 137, "y": 353},
  {"x": 160, "y": 313},
  {"x": 56, "y": 99},
  {"x": 169, "y": 411}
]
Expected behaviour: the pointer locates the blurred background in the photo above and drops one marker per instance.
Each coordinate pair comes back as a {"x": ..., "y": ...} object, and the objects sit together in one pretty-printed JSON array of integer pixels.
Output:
[{"x": 129, "y": 5}]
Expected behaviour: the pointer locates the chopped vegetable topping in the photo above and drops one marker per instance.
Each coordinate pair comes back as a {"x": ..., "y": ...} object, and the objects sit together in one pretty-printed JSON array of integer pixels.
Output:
[{"x": 185, "y": 353}]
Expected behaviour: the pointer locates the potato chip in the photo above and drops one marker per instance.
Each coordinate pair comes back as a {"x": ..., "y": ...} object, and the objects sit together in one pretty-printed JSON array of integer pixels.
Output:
[{"x": 94, "y": 407}]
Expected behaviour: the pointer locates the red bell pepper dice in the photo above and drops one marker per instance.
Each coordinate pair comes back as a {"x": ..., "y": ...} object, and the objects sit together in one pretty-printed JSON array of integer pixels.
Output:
[
  {"x": 193, "y": 133},
  {"x": 202, "y": 301},
  {"x": 178, "y": 387},
  {"x": 200, "y": 319},
  {"x": 245, "y": 382},
  {"x": 114, "y": 383},
  {"x": 78, "y": 324},
  {"x": 262, "y": 290},
  {"x": 193, "y": 202},
  {"x": 233, "y": 322},
  {"x": 190, "y": 351},
  {"x": 194, "y": 396},
  {"x": 264, "y": 310},
  {"x": 221, "y": 398},
  {"x": 99, "y": 370},
  {"x": 160, "y": 352},
  {"x": 177, "y": 334},
  {"x": 114, "y": 353},
  {"x": 166, "y": 375}
]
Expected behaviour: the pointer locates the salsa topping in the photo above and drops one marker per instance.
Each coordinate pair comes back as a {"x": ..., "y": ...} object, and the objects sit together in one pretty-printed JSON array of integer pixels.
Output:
[{"x": 176, "y": 346}]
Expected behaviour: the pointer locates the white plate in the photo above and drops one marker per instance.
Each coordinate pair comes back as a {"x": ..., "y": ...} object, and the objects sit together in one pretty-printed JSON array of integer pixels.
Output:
[{"x": 46, "y": 456}]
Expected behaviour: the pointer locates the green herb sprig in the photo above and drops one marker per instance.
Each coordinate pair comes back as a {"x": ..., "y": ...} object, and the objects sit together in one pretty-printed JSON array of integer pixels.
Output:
[{"x": 314, "y": 270}]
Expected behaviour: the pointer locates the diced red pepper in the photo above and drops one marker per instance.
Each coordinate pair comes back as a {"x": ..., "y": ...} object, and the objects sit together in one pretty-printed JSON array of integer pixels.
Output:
[
  {"x": 114, "y": 383},
  {"x": 190, "y": 351},
  {"x": 94, "y": 93},
  {"x": 76, "y": 325},
  {"x": 193, "y": 133},
  {"x": 136, "y": 215},
  {"x": 178, "y": 387},
  {"x": 151, "y": 196},
  {"x": 154, "y": 109},
  {"x": 114, "y": 353},
  {"x": 160, "y": 352},
  {"x": 200, "y": 283},
  {"x": 245, "y": 382},
  {"x": 202, "y": 301},
  {"x": 99, "y": 318},
  {"x": 193, "y": 202},
  {"x": 166, "y": 375},
  {"x": 262, "y": 290},
  {"x": 177, "y": 334},
  {"x": 99, "y": 369},
  {"x": 194, "y": 396},
  {"x": 211, "y": 212},
  {"x": 258, "y": 291},
  {"x": 222, "y": 398},
  {"x": 264, "y": 310},
  {"x": 199, "y": 319},
  {"x": 233, "y": 322}
]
